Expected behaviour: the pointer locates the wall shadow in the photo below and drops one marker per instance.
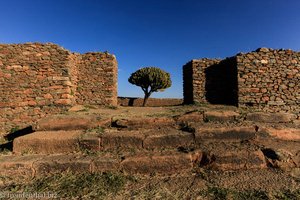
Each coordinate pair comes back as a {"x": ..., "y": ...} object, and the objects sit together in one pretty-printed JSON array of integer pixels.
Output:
[
  {"x": 221, "y": 86},
  {"x": 131, "y": 101},
  {"x": 6, "y": 146},
  {"x": 19, "y": 133},
  {"x": 11, "y": 136},
  {"x": 127, "y": 101},
  {"x": 188, "y": 89}
]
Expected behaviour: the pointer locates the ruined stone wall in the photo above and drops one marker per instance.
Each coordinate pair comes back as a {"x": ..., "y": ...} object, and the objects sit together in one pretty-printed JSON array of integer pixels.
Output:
[
  {"x": 97, "y": 79},
  {"x": 265, "y": 79},
  {"x": 194, "y": 80},
  {"x": 33, "y": 82},
  {"x": 269, "y": 80},
  {"x": 40, "y": 79},
  {"x": 152, "y": 102}
]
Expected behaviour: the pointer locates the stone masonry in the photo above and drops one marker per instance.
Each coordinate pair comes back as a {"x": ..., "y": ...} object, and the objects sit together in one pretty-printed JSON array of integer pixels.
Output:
[
  {"x": 40, "y": 79},
  {"x": 264, "y": 79}
]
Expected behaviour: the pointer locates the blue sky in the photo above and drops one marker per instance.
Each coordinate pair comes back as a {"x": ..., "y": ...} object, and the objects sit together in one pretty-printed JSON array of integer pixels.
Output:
[{"x": 163, "y": 33}]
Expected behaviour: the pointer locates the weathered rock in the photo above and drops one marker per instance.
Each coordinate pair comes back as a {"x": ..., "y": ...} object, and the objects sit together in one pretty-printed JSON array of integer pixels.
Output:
[
  {"x": 285, "y": 160},
  {"x": 168, "y": 138},
  {"x": 295, "y": 172},
  {"x": 47, "y": 142},
  {"x": 263, "y": 49},
  {"x": 89, "y": 142},
  {"x": 30, "y": 166},
  {"x": 284, "y": 133},
  {"x": 224, "y": 134},
  {"x": 122, "y": 139},
  {"x": 271, "y": 117},
  {"x": 146, "y": 122},
  {"x": 62, "y": 163},
  {"x": 239, "y": 160},
  {"x": 296, "y": 159},
  {"x": 297, "y": 123},
  {"x": 189, "y": 117},
  {"x": 221, "y": 116},
  {"x": 284, "y": 154},
  {"x": 71, "y": 122},
  {"x": 64, "y": 102},
  {"x": 18, "y": 166},
  {"x": 162, "y": 164},
  {"x": 77, "y": 108},
  {"x": 105, "y": 164}
]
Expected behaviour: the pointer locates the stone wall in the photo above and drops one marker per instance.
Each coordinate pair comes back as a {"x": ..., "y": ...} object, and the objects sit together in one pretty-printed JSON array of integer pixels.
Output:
[
  {"x": 194, "y": 80},
  {"x": 40, "y": 79},
  {"x": 152, "y": 102},
  {"x": 97, "y": 79},
  {"x": 265, "y": 79},
  {"x": 269, "y": 79}
]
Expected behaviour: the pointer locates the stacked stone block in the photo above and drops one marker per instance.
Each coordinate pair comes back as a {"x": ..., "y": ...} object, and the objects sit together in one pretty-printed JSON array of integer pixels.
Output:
[
  {"x": 270, "y": 80},
  {"x": 97, "y": 79},
  {"x": 40, "y": 79},
  {"x": 194, "y": 80},
  {"x": 265, "y": 79}
]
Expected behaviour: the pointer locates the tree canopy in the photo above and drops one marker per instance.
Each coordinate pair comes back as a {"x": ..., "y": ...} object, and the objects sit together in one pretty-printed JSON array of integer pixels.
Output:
[{"x": 150, "y": 79}]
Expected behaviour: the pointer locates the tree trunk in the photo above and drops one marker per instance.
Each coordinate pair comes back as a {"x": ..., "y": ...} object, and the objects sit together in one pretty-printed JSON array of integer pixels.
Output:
[{"x": 147, "y": 95}]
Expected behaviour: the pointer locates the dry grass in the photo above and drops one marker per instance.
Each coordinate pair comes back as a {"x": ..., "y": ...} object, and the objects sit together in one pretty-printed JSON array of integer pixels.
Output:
[{"x": 120, "y": 186}]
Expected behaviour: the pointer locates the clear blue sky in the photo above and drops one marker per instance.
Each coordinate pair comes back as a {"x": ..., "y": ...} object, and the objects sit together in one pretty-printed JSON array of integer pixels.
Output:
[{"x": 163, "y": 33}]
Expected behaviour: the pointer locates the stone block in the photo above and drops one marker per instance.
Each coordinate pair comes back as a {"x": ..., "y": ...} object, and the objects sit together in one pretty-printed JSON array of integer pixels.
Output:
[
  {"x": 270, "y": 117},
  {"x": 145, "y": 122},
  {"x": 189, "y": 117},
  {"x": 18, "y": 166},
  {"x": 105, "y": 164},
  {"x": 122, "y": 140},
  {"x": 170, "y": 138},
  {"x": 224, "y": 134},
  {"x": 166, "y": 164},
  {"x": 284, "y": 133},
  {"x": 239, "y": 160},
  {"x": 62, "y": 163},
  {"x": 71, "y": 122},
  {"x": 77, "y": 108},
  {"x": 89, "y": 142},
  {"x": 47, "y": 142},
  {"x": 221, "y": 116}
]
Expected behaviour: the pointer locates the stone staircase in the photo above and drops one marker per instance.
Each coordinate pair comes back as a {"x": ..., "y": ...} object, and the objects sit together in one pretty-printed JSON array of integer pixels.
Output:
[{"x": 215, "y": 140}]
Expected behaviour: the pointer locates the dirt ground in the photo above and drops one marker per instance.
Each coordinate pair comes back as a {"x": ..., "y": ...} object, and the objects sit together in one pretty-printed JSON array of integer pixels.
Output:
[{"x": 270, "y": 184}]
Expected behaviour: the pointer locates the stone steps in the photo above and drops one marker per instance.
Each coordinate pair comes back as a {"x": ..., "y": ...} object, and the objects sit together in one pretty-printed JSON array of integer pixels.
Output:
[
  {"x": 234, "y": 134},
  {"x": 150, "y": 145},
  {"x": 145, "y": 163},
  {"x": 90, "y": 121},
  {"x": 49, "y": 142},
  {"x": 71, "y": 122}
]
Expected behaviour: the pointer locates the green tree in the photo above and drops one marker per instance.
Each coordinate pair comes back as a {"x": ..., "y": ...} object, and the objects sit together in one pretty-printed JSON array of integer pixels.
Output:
[{"x": 150, "y": 79}]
